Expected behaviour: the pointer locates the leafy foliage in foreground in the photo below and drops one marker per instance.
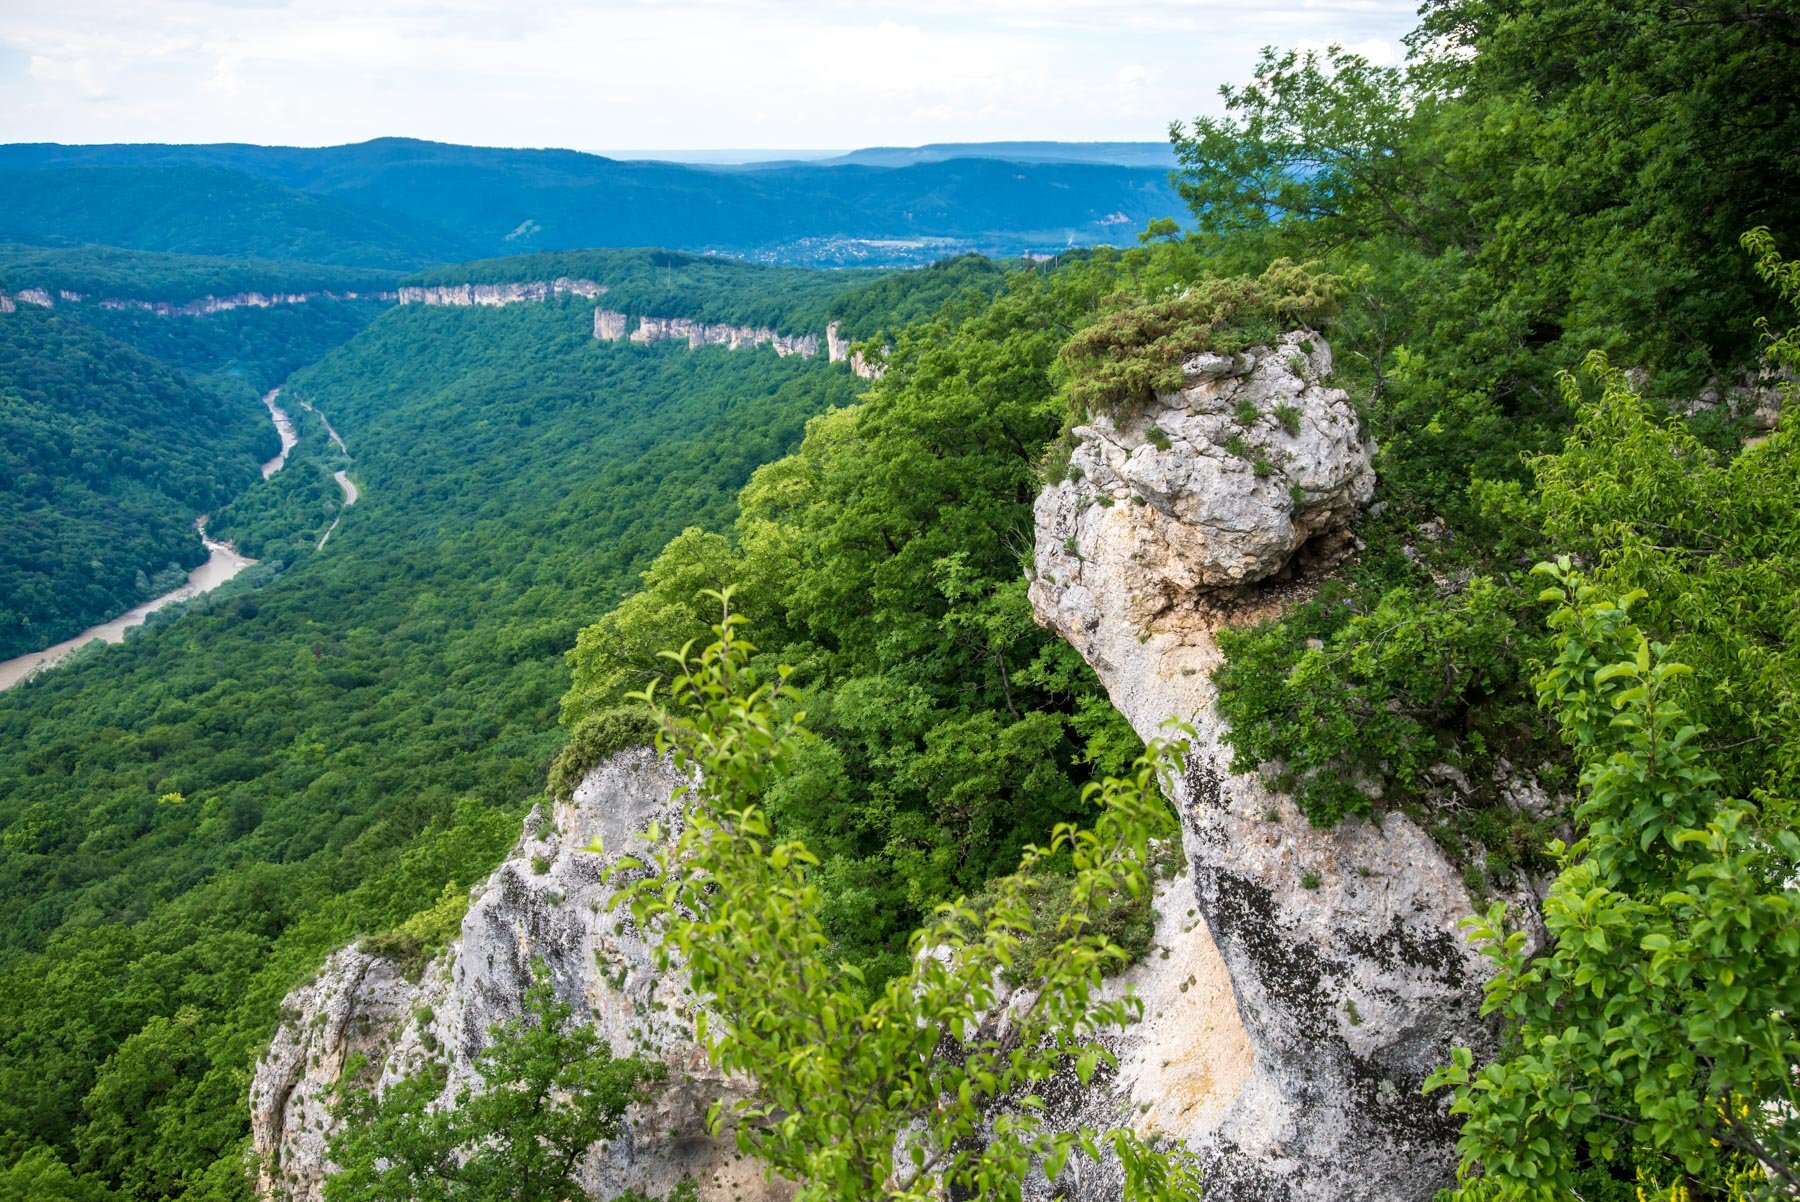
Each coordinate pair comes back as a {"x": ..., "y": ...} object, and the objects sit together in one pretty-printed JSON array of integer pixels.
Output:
[
  {"x": 548, "y": 1092},
  {"x": 911, "y": 1090},
  {"x": 1534, "y": 185},
  {"x": 885, "y": 560},
  {"x": 1661, "y": 1017}
]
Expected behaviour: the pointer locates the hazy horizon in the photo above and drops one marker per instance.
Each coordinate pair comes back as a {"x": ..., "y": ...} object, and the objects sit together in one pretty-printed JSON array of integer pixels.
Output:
[{"x": 685, "y": 77}]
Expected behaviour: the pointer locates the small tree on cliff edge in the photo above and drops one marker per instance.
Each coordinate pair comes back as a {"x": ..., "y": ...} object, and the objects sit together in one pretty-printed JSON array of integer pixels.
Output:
[
  {"x": 548, "y": 1093},
  {"x": 925, "y": 1088}
]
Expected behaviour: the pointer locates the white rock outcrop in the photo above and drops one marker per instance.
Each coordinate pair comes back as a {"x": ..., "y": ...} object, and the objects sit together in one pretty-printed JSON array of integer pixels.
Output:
[
  {"x": 499, "y": 294},
  {"x": 201, "y": 307},
  {"x": 1301, "y": 982},
  {"x": 1346, "y": 972},
  {"x": 611, "y": 326},
  {"x": 545, "y": 902},
  {"x": 838, "y": 350}
]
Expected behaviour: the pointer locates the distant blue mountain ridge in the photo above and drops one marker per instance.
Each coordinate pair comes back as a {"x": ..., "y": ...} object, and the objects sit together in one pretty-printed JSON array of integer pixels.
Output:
[{"x": 404, "y": 203}]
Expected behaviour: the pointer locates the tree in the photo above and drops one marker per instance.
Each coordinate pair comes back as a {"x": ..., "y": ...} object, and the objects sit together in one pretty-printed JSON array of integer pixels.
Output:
[
  {"x": 547, "y": 1094},
  {"x": 1658, "y": 1025},
  {"x": 927, "y": 1087},
  {"x": 1314, "y": 138},
  {"x": 36, "y": 1175}
]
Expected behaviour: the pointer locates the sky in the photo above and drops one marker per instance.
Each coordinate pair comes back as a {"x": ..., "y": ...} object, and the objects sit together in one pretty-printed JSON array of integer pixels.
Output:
[{"x": 626, "y": 74}]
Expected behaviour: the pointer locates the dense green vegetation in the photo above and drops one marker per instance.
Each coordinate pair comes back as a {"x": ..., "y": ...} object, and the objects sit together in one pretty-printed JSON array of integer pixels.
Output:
[
  {"x": 856, "y": 1078},
  {"x": 1544, "y": 196},
  {"x": 901, "y": 300},
  {"x": 1654, "y": 1035},
  {"x": 191, "y": 821},
  {"x": 1491, "y": 235},
  {"x": 239, "y": 351},
  {"x": 111, "y": 272},
  {"x": 107, "y": 457},
  {"x": 885, "y": 560},
  {"x": 122, "y": 425},
  {"x": 1504, "y": 204}
]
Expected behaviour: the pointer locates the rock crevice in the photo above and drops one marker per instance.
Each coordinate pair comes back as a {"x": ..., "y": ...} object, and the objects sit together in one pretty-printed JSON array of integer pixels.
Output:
[{"x": 1346, "y": 970}]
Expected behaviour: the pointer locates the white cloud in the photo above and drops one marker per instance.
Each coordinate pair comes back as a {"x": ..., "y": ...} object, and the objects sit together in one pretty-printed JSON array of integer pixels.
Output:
[
  {"x": 83, "y": 75},
  {"x": 644, "y": 73}
]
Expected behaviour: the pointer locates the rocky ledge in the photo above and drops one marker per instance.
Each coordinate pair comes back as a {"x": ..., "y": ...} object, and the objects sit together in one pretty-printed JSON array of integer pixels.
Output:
[
  {"x": 545, "y": 902},
  {"x": 1300, "y": 985},
  {"x": 1346, "y": 972},
  {"x": 499, "y": 294},
  {"x": 610, "y": 326},
  {"x": 202, "y": 307}
]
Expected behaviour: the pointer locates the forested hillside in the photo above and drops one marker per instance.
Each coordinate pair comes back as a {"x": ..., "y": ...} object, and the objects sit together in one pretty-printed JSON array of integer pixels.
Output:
[
  {"x": 400, "y": 201},
  {"x": 1553, "y": 260},
  {"x": 125, "y": 424},
  {"x": 197, "y": 210},
  {"x": 712, "y": 288},
  {"x": 287, "y": 767},
  {"x": 1532, "y": 191},
  {"x": 107, "y": 456},
  {"x": 115, "y": 273}
]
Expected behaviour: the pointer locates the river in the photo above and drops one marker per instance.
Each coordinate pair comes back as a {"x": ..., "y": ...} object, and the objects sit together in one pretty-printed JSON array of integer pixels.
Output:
[
  {"x": 283, "y": 427},
  {"x": 222, "y": 563}
]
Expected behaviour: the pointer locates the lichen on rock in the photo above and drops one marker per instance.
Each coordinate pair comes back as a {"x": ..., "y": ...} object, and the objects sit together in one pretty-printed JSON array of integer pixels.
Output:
[
  {"x": 1209, "y": 488},
  {"x": 546, "y": 903},
  {"x": 1347, "y": 973}
]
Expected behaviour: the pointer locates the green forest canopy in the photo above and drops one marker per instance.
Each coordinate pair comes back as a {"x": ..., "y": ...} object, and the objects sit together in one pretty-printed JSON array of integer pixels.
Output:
[{"x": 192, "y": 822}]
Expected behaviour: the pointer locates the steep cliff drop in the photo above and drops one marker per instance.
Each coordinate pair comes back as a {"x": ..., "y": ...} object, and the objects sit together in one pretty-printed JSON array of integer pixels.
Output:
[
  {"x": 204, "y": 306},
  {"x": 546, "y": 902},
  {"x": 1351, "y": 981},
  {"x": 839, "y": 350},
  {"x": 610, "y": 326},
  {"x": 1300, "y": 983},
  {"x": 499, "y": 294}
]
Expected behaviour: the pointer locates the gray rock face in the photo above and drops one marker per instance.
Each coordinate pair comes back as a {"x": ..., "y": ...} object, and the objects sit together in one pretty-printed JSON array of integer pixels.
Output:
[
  {"x": 610, "y": 326},
  {"x": 1191, "y": 498},
  {"x": 546, "y": 902},
  {"x": 1301, "y": 982},
  {"x": 837, "y": 350},
  {"x": 500, "y": 294},
  {"x": 1346, "y": 973},
  {"x": 202, "y": 307}
]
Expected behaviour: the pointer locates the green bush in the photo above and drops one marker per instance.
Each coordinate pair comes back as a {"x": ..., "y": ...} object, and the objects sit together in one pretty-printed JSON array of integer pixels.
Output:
[
  {"x": 414, "y": 942},
  {"x": 596, "y": 738},
  {"x": 1135, "y": 349},
  {"x": 1355, "y": 705}
]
